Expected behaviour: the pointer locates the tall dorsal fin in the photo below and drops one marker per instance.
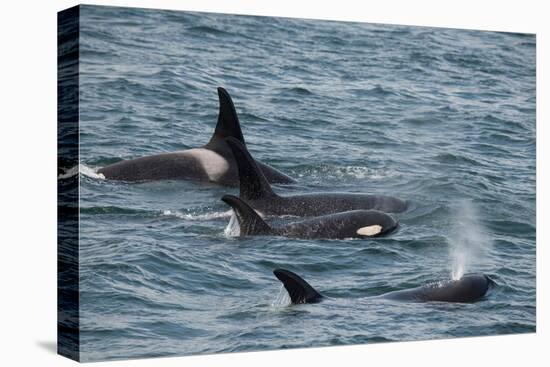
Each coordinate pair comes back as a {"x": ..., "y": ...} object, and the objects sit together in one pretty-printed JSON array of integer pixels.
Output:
[
  {"x": 228, "y": 121},
  {"x": 250, "y": 222},
  {"x": 298, "y": 289},
  {"x": 252, "y": 182}
]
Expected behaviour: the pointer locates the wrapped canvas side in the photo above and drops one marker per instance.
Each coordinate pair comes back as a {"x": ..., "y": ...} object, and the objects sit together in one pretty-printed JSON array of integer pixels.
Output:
[{"x": 68, "y": 335}]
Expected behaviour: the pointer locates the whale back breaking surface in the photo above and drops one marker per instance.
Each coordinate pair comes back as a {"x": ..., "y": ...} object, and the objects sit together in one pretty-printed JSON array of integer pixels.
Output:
[
  {"x": 468, "y": 289},
  {"x": 164, "y": 166},
  {"x": 350, "y": 224},
  {"x": 315, "y": 204},
  {"x": 213, "y": 162},
  {"x": 256, "y": 190},
  {"x": 332, "y": 226}
]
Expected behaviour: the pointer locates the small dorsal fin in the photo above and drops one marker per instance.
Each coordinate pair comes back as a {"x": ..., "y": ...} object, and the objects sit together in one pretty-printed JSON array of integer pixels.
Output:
[
  {"x": 298, "y": 289},
  {"x": 228, "y": 121},
  {"x": 250, "y": 222},
  {"x": 252, "y": 182}
]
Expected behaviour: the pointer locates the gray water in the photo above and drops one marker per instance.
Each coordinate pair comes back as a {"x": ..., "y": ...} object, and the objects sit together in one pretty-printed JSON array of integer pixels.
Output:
[{"x": 444, "y": 118}]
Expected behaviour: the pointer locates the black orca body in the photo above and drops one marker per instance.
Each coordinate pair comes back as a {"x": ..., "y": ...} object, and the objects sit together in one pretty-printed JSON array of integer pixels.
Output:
[
  {"x": 468, "y": 289},
  {"x": 256, "y": 191},
  {"x": 351, "y": 224},
  {"x": 213, "y": 162}
]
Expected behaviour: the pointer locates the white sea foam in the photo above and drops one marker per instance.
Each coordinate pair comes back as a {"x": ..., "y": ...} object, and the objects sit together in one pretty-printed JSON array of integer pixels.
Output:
[
  {"x": 365, "y": 172},
  {"x": 469, "y": 240},
  {"x": 90, "y": 172},
  {"x": 232, "y": 229},
  {"x": 359, "y": 172},
  {"x": 282, "y": 299},
  {"x": 194, "y": 216},
  {"x": 83, "y": 170}
]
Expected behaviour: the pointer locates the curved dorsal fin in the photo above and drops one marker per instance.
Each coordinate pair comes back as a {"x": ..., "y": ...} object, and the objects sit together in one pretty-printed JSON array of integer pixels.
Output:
[
  {"x": 298, "y": 289},
  {"x": 250, "y": 222},
  {"x": 252, "y": 182},
  {"x": 228, "y": 121}
]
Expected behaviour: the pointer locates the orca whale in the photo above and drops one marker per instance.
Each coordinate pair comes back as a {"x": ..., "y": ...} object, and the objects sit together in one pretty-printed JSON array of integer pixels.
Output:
[
  {"x": 256, "y": 191},
  {"x": 213, "y": 162},
  {"x": 468, "y": 289},
  {"x": 351, "y": 224}
]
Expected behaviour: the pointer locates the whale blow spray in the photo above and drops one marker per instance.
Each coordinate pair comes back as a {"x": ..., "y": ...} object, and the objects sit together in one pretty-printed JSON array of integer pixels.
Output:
[{"x": 469, "y": 241}]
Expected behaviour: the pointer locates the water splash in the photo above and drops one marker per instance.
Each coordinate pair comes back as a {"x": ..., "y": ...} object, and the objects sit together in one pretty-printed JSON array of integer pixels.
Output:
[
  {"x": 83, "y": 170},
  {"x": 358, "y": 172},
  {"x": 469, "y": 241},
  {"x": 282, "y": 299},
  {"x": 194, "y": 216},
  {"x": 232, "y": 229}
]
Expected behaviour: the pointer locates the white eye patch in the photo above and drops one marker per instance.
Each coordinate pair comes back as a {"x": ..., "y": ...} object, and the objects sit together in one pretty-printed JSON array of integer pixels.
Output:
[{"x": 370, "y": 230}]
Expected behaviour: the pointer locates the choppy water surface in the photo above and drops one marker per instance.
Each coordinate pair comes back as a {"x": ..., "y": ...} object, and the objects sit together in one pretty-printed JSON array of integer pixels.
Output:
[{"x": 444, "y": 118}]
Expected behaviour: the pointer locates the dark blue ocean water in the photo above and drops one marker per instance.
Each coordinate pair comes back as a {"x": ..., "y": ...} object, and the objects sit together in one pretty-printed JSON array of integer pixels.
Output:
[{"x": 444, "y": 118}]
